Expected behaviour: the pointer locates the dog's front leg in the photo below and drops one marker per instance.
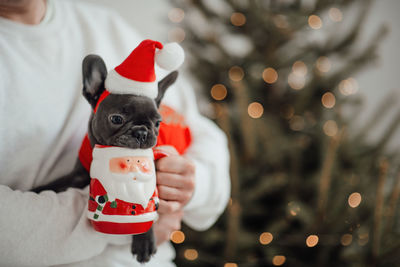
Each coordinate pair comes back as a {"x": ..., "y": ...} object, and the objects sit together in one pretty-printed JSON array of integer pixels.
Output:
[{"x": 144, "y": 246}]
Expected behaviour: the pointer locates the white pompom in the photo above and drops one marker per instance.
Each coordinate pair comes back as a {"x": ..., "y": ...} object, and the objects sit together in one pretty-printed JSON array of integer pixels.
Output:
[{"x": 170, "y": 57}]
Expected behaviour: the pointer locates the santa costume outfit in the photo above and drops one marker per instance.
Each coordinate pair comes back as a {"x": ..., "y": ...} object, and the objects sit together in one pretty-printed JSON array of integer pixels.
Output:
[{"x": 123, "y": 194}]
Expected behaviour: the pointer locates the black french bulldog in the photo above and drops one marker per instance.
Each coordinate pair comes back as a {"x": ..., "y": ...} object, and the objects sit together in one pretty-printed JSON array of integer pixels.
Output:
[{"x": 121, "y": 120}]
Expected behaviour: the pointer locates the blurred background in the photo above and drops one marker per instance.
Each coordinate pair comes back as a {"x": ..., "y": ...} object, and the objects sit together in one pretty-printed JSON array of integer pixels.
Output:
[{"x": 307, "y": 94}]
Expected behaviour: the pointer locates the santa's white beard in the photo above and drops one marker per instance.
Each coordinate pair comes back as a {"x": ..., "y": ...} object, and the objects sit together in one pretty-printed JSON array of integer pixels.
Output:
[{"x": 124, "y": 187}]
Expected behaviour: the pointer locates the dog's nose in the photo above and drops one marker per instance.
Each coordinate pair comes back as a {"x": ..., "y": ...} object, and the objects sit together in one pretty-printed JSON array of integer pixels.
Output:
[{"x": 140, "y": 135}]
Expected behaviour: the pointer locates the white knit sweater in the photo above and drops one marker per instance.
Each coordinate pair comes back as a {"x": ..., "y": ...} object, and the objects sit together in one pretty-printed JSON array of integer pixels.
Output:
[{"x": 43, "y": 119}]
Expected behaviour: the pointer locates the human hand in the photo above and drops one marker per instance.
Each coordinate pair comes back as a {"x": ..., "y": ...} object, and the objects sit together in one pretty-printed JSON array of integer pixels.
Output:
[
  {"x": 166, "y": 224},
  {"x": 175, "y": 180}
]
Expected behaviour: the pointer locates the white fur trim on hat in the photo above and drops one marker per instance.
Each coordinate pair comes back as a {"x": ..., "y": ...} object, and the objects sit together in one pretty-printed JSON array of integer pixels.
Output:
[
  {"x": 170, "y": 57},
  {"x": 115, "y": 83}
]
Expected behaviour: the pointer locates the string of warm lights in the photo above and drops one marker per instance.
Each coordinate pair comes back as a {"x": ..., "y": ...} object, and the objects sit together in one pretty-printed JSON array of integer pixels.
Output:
[
  {"x": 348, "y": 86},
  {"x": 315, "y": 22},
  {"x": 191, "y": 254},
  {"x": 255, "y": 110},
  {"x": 270, "y": 75},
  {"x": 323, "y": 64},
  {"x": 297, "y": 80},
  {"x": 176, "y": 34},
  {"x": 238, "y": 19},
  {"x": 219, "y": 92},
  {"x": 328, "y": 100},
  {"x": 354, "y": 200},
  {"x": 330, "y": 128},
  {"x": 266, "y": 238},
  {"x": 177, "y": 237},
  {"x": 236, "y": 73},
  {"x": 335, "y": 14}
]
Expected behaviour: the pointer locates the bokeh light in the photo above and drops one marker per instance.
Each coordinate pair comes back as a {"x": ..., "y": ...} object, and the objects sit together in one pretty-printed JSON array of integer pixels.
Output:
[
  {"x": 287, "y": 111},
  {"x": 346, "y": 239},
  {"x": 328, "y": 100},
  {"x": 177, "y": 237},
  {"x": 236, "y": 73},
  {"x": 255, "y": 110},
  {"x": 280, "y": 21},
  {"x": 323, "y": 64},
  {"x": 238, "y": 19},
  {"x": 363, "y": 239},
  {"x": 294, "y": 208},
  {"x": 348, "y": 86},
  {"x": 230, "y": 264},
  {"x": 270, "y": 75},
  {"x": 191, "y": 254},
  {"x": 335, "y": 14},
  {"x": 299, "y": 68},
  {"x": 296, "y": 82},
  {"x": 315, "y": 22},
  {"x": 278, "y": 260},
  {"x": 219, "y": 92},
  {"x": 176, "y": 15},
  {"x": 176, "y": 35},
  {"x": 266, "y": 238},
  {"x": 354, "y": 200},
  {"x": 296, "y": 123},
  {"x": 330, "y": 128},
  {"x": 312, "y": 241}
]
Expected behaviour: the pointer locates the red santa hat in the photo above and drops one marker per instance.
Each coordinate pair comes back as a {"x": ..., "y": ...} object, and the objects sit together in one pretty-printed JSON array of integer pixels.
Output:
[{"x": 136, "y": 74}]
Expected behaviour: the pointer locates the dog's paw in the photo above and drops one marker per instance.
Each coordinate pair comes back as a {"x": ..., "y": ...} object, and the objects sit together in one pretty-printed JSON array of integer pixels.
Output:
[{"x": 143, "y": 246}]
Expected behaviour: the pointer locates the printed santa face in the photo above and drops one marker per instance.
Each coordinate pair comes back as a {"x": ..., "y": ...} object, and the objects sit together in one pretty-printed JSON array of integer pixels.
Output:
[{"x": 126, "y": 174}]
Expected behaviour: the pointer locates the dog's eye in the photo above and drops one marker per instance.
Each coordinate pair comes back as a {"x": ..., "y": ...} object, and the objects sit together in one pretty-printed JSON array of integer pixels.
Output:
[
  {"x": 116, "y": 119},
  {"x": 158, "y": 123}
]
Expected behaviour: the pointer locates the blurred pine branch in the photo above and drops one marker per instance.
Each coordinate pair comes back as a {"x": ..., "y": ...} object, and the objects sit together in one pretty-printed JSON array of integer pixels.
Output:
[{"x": 287, "y": 101}]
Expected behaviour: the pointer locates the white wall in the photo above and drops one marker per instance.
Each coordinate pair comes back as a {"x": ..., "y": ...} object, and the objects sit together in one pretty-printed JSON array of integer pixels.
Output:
[
  {"x": 150, "y": 17},
  {"x": 379, "y": 80}
]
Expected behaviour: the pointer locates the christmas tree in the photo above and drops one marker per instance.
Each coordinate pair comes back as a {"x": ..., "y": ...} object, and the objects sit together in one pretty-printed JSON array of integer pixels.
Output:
[{"x": 308, "y": 189}]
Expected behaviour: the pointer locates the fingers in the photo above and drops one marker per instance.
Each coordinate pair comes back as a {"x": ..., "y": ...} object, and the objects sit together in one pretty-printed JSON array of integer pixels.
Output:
[
  {"x": 171, "y": 150},
  {"x": 167, "y": 207},
  {"x": 174, "y": 194},
  {"x": 175, "y": 164},
  {"x": 166, "y": 224},
  {"x": 175, "y": 180}
]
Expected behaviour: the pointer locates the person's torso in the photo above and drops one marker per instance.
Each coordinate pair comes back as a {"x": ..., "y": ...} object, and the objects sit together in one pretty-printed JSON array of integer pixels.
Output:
[{"x": 43, "y": 115}]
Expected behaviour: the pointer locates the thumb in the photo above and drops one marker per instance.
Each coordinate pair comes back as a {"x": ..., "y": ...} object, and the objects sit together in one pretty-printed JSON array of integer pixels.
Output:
[{"x": 169, "y": 150}]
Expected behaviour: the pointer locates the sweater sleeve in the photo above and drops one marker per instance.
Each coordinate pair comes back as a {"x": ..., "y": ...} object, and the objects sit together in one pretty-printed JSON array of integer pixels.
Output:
[
  {"x": 47, "y": 228},
  {"x": 209, "y": 152}
]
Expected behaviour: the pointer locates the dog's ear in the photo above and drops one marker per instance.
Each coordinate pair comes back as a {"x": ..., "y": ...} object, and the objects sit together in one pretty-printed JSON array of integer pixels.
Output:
[
  {"x": 94, "y": 73},
  {"x": 164, "y": 84}
]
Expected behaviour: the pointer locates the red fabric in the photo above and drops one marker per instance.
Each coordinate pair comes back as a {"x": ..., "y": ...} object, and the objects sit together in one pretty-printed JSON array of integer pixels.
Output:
[
  {"x": 85, "y": 153},
  {"x": 173, "y": 131},
  {"x": 121, "y": 228},
  {"x": 101, "y": 98},
  {"x": 139, "y": 65}
]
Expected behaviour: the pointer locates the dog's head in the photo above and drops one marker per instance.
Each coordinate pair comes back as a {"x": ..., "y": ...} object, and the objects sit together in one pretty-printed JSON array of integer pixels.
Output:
[{"x": 121, "y": 119}]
